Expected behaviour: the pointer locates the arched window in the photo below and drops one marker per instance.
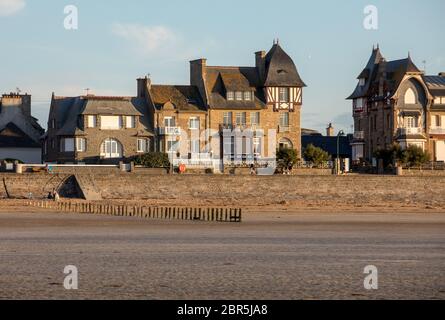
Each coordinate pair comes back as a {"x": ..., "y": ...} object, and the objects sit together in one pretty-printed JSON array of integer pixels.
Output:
[
  {"x": 110, "y": 149},
  {"x": 410, "y": 97},
  {"x": 285, "y": 144}
]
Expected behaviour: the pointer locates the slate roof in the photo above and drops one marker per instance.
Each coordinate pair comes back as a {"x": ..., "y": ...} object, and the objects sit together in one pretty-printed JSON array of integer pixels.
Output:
[
  {"x": 219, "y": 80},
  {"x": 329, "y": 144},
  {"x": 281, "y": 70},
  {"x": 66, "y": 110},
  {"x": 436, "y": 85},
  {"x": 184, "y": 98},
  {"x": 12, "y": 136}
]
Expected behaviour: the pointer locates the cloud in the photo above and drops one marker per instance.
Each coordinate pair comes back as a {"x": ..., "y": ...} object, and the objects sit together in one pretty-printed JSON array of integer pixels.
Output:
[
  {"x": 10, "y": 7},
  {"x": 151, "y": 40}
]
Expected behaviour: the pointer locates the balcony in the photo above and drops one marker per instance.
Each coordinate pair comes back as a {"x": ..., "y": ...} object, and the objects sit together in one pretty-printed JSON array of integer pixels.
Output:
[
  {"x": 359, "y": 135},
  {"x": 410, "y": 131},
  {"x": 240, "y": 127},
  {"x": 284, "y": 129},
  {"x": 169, "y": 131},
  {"x": 436, "y": 130}
]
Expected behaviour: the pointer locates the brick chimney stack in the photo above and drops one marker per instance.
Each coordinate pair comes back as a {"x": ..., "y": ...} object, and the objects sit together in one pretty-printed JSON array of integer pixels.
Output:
[{"x": 330, "y": 130}]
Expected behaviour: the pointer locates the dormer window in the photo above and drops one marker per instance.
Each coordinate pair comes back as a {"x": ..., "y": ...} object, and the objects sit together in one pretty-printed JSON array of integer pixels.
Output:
[
  {"x": 230, "y": 95},
  {"x": 362, "y": 82},
  {"x": 248, "y": 95},
  {"x": 239, "y": 96}
]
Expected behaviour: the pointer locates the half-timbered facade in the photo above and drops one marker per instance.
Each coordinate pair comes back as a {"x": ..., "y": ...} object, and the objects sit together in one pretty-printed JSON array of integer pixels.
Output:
[{"x": 395, "y": 102}]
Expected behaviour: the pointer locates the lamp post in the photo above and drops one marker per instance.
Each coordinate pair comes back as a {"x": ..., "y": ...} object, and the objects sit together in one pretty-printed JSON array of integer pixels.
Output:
[{"x": 337, "y": 162}]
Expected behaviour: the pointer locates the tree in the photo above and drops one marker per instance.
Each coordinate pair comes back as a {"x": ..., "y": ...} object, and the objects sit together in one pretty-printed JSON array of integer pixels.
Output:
[
  {"x": 153, "y": 160},
  {"x": 315, "y": 155},
  {"x": 416, "y": 156},
  {"x": 287, "y": 157}
]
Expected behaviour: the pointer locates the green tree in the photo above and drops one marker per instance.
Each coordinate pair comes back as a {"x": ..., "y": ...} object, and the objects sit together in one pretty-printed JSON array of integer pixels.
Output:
[
  {"x": 287, "y": 157},
  {"x": 153, "y": 160},
  {"x": 416, "y": 156},
  {"x": 315, "y": 155},
  {"x": 411, "y": 156}
]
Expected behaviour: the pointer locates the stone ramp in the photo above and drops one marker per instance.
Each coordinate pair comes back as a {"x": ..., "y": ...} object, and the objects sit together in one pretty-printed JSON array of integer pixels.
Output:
[{"x": 87, "y": 188}]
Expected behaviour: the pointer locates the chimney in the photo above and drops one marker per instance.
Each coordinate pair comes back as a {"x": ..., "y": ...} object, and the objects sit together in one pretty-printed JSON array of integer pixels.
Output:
[
  {"x": 330, "y": 130},
  {"x": 198, "y": 74},
  {"x": 143, "y": 85},
  {"x": 442, "y": 74},
  {"x": 260, "y": 64}
]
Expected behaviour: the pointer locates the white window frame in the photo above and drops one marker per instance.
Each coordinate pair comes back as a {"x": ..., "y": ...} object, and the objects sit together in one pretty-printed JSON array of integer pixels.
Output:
[
  {"x": 130, "y": 122},
  {"x": 91, "y": 121},
  {"x": 67, "y": 145},
  {"x": 255, "y": 118},
  {"x": 81, "y": 144},
  {"x": 169, "y": 122},
  {"x": 284, "y": 119},
  {"x": 230, "y": 95},
  {"x": 239, "y": 96},
  {"x": 119, "y": 126},
  {"x": 143, "y": 145},
  {"x": 195, "y": 146},
  {"x": 284, "y": 94},
  {"x": 248, "y": 95},
  {"x": 194, "y": 123},
  {"x": 242, "y": 116}
]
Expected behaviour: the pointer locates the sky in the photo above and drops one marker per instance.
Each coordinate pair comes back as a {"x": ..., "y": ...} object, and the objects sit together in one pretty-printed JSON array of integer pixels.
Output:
[{"x": 119, "y": 41}]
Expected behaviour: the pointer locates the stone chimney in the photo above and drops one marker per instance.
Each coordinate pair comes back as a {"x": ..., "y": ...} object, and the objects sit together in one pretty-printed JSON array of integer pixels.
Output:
[
  {"x": 198, "y": 75},
  {"x": 330, "y": 130},
  {"x": 143, "y": 85},
  {"x": 260, "y": 64}
]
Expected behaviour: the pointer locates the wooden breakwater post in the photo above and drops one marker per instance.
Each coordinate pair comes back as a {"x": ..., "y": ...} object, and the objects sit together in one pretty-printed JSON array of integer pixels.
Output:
[{"x": 145, "y": 212}]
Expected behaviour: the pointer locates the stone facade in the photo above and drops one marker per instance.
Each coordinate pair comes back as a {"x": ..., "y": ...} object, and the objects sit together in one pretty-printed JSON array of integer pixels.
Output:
[{"x": 396, "y": 103}]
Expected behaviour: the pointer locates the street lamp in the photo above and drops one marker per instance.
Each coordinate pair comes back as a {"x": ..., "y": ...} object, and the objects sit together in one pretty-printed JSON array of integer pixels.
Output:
[{"x": 337, "y": 162}]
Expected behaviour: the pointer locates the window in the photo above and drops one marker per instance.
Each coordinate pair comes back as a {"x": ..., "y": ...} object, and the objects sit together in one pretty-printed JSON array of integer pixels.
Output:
[
  {"x": 91, "y": 121},
  {"x": 130, "y": 122},
  {"x": 247, "y": 95},
  {"x": 254, "y": 118},
  {"x": 239, "y": 96},
  {"x": 437, "y": 122},
  {"x": 284, "y": 119},
  {"x": 172, "y": 146},
  {"x": 257, "y": 146},
  {"x": 362, "y": 81},
  {"x": 111, "y": 149},
  {"x": 410, "y": 122},
  {"x": 110, "y": 122},
  {"x": 53, "y": 123},
  {"x": 143, "y": 145},
  {"x": 230, "y": 95},
  {"x": 240, "y": 118},
  {"x": 67, "y": 145},
  {"x": 194, "y": 146},
  {"x": 284, "y": 94},
  {"x": 227, "y": 119},
  {"x": 410, "y": 97},
  {"x": 169, "y": 122},
  {"x": 81, "y": 144},
  {"x": 194, "y": 123}
]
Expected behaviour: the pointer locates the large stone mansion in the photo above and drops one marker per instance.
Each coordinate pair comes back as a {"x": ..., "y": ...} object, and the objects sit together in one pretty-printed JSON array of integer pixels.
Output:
[
  {"x": 225, "y": 113},
  {"x": 395, "y": 102}
]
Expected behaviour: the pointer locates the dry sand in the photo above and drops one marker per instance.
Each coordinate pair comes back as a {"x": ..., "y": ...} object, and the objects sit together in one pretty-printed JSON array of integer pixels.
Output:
[{"x": 276, "y": 253}]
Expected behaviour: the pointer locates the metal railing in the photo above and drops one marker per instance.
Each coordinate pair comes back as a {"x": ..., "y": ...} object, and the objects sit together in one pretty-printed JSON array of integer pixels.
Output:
[
  {"x": 169, "y": 131},
  {"x": 436, "y": 130},
  {"x": 413, "y": 130},
  {"x": 282, "y": 129},
  {"x": 359, "y": 135}
]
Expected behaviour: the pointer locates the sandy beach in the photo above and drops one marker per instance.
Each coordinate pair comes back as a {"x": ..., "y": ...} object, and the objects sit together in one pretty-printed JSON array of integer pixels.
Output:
[{"x": 273, "y": 254}]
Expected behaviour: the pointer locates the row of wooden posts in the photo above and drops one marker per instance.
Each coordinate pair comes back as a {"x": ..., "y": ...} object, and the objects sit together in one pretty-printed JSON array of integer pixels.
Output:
[{"x": 172, "y": 213}]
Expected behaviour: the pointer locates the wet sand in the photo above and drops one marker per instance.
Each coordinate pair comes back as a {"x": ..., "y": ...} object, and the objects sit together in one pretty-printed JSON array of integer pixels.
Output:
[{"x": 279, "y": 253}]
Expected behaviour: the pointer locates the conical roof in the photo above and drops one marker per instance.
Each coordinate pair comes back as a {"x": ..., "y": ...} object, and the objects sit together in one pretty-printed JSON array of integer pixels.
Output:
[{"x": 281, "y": 70}]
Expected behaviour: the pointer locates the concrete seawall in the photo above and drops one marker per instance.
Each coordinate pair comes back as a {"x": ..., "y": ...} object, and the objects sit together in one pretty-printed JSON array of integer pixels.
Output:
[{"x": 245, "y": 190}]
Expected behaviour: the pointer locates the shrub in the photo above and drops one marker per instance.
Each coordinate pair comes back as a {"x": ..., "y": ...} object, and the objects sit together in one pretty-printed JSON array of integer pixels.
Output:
[
  {"x": 287, "y": 157},
  {"x": 412, "y": 156},
  {"x": 153, "y": 160},
  {"x": 315, "y": 155}
]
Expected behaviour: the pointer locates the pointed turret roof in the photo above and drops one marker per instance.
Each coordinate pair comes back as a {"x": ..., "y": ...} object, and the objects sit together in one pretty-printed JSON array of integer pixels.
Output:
[{"x": 280, "y": 69}]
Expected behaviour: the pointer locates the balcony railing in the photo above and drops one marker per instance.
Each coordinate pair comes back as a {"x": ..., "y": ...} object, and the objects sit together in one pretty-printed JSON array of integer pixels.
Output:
[
  {"x": 359, "y": 135},
  {"x": 170, "y": 131},
  {"x": 437, "y": 130},
  {"x": 283, "y": 129},
  {"x": 242, "y": 127},
  {"x": 407, "y": 131}
]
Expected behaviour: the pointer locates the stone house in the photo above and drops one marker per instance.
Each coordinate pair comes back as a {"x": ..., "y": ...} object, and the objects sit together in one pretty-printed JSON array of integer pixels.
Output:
[
  {"x": 395, "y": 102},
  {"x": 97, "y": 129},
  {"x": 20, "y": 132}
]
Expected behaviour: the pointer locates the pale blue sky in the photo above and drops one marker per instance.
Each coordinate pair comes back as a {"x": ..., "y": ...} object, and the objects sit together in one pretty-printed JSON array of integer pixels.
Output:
[{"x": 118, "y": 41}]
